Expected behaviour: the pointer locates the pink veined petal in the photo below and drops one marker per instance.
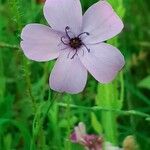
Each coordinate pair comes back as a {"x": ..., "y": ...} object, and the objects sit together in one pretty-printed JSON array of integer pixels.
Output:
[
  {"x": 40, "y": 42},
  {"x": 62, "y": 13},
  {"x": 68, "y": 75},
  {"x": 103, "y": 62},
  {"x": 101, "y": 22}
]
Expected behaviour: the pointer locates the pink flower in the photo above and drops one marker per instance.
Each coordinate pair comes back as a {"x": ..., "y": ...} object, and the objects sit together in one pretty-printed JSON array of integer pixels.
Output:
[
  {"x": 77, "y": 42},
  {"x": 90, "y": 142}
]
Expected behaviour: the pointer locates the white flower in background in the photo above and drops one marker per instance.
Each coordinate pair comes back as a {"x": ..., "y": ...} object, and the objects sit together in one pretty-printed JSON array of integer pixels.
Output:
[{"x": 90, "y": 141}]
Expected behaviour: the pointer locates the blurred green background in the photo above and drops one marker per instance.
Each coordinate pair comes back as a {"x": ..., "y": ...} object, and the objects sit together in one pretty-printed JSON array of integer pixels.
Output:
[{"x": 25, "y": 94}]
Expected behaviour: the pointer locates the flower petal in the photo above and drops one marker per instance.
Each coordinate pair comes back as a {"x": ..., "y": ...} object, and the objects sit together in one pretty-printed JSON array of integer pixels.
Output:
[
  {"x": 101, "y": 22},
  {"x": 63, "y": 13},
  {"x": 79, "y": 133},
  {"x": 79, "y": 136},
  {"x": 68, "y": 75},
  {"x": 73, "y": 137},
  {"x": 82, "y": 128},
  {"x": 103, "y": 61},
  {"x": 40, "y": 42}
]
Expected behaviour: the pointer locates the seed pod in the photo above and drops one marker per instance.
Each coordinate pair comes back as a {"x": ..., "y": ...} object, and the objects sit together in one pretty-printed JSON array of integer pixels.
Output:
[{"x": 130, "y": 143}]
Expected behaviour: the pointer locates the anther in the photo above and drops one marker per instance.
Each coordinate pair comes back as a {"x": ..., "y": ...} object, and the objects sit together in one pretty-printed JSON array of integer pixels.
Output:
[
  {"x": 86, "y": 47},
  {"x": 87, "y": 33},
  {"x": 74, "y": 54},
  {"x": 66, "y": 30},
  {"x": 63, "y": 41}
]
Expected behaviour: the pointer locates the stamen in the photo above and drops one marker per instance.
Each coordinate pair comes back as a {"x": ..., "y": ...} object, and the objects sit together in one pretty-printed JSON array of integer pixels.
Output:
[
  {"x": 74, "y": 54},
  {"x": 71, "y": 33},
  {"x": 68, "y": 54},
  {"x": 64, "y": 48},
  {"x": 66, "y": 30},
  {"x": 86, "y": 47},
  {"x": 83, "y": 33},
  {"x": 63, "y": 41}
]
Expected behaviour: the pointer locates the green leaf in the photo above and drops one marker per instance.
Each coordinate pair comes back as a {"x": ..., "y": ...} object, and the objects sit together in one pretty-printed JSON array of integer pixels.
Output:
[
  {"x": 96, "y": 124},
  {"x": 145, "y": 83},
  {"x": 24, "y": 131}
]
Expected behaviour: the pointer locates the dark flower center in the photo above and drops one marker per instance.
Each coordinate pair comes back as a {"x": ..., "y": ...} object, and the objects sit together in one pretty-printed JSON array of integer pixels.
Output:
[{"x": 76, "y": 42}]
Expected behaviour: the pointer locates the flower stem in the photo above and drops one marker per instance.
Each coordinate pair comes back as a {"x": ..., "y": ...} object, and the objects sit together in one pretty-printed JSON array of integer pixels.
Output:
[
  {"x": 116, "y": 111},
  {"x": 69, "y": 124},
  {"x": 2, "y": 79},
  {"x": 38, "y": 121},
  {"x": 6, "y": 45},
  {"x": 122, "y": 88},
  {"x": 28, "y": 82}
]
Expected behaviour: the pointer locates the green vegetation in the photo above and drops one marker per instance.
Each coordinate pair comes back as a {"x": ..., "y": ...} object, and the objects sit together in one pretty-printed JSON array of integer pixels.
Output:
[{"x": 33, "y": 117}]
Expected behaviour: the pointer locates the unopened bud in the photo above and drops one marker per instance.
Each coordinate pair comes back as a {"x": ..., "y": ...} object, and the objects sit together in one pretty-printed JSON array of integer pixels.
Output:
[{"x": 130, "y": 143}]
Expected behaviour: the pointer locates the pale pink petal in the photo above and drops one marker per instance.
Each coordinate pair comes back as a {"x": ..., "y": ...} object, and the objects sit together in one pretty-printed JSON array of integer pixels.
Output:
[
  {"x": 68, "y": 75},
  {"x": 82, "y": 128},
  {"x": 79, "y": 136},
  {"x": 79, "y": 133},
  {"x": 101, "y": 22},
  {"x": 63, "y": 13},
  {"x": 40, "y": 42},
  {"x": 103, "y": 61}
]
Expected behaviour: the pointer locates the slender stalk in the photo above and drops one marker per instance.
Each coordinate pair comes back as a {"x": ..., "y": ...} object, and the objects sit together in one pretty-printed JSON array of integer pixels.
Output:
[
  {"x": 2, "y": 78},
  {"x": 6, "y": 45},
  {"x": 143, "y": 43},
  {"x": 56, "y": 96},
  {"x": 68, "y": 120},
  {"x": 38, "y": 122},
  {"x": 116, "y": 111},
  {"x": 122, "y": 87},
  {"x": 109, "y": 118},
  {"x": 29, "y": 85}
]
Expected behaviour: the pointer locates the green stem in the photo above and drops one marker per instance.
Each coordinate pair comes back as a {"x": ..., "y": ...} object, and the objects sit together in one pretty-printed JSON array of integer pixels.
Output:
[
  {"x": 29, "y": 85},
  {"x": 116, "y": 111},
  {"x": 6, "y": 45},
  {"x": 56, "y": 96},
  {"x": 122, "y": 87},
  {"x": 68, "y": 120},
  {"x": 38, "y": 122},
  {"x": 143, "y": 43},
  {"x": 2, "y": 78},
  {"x": 109, "y": 118}
]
